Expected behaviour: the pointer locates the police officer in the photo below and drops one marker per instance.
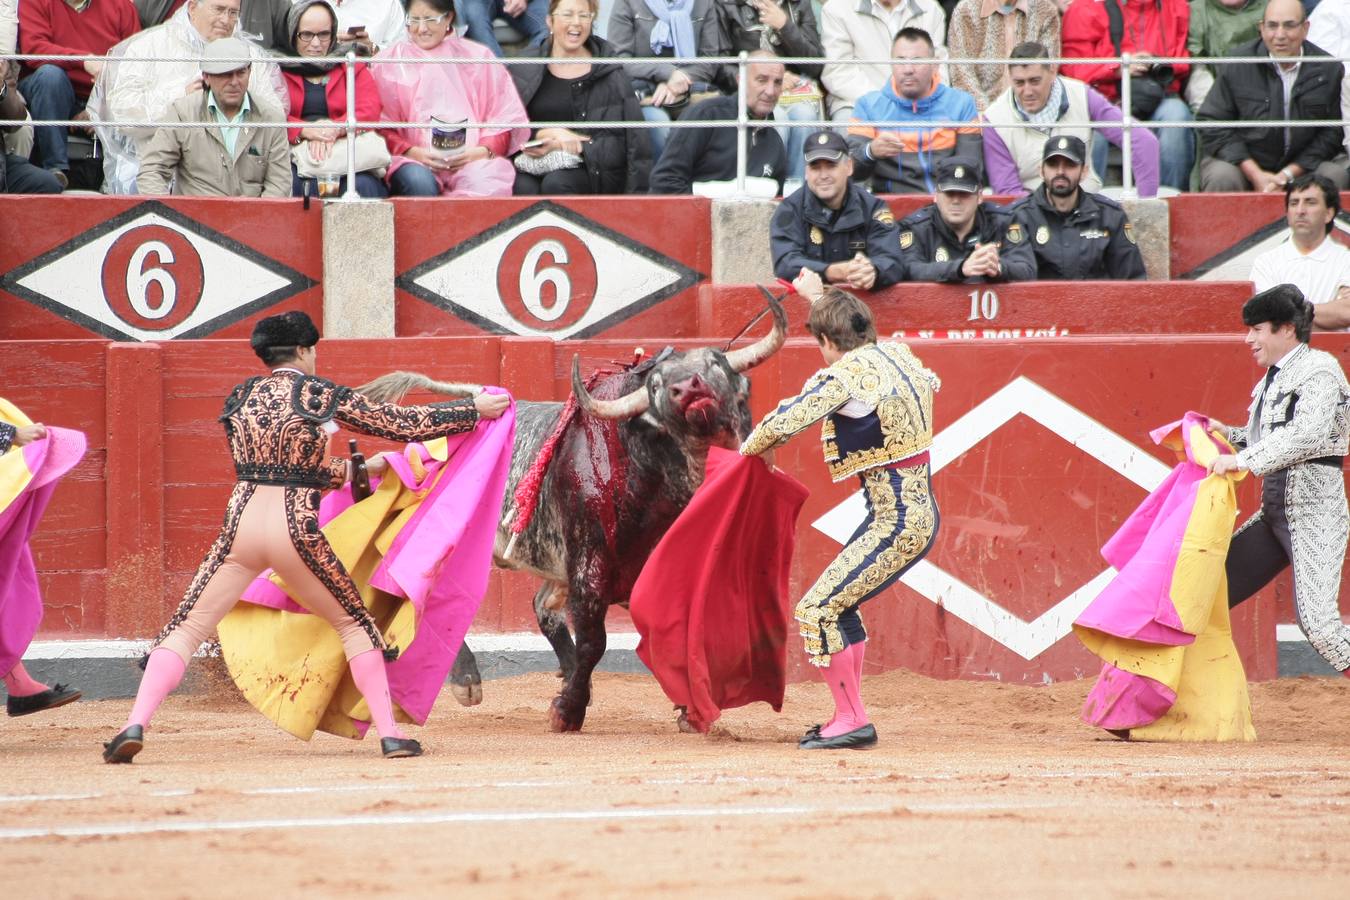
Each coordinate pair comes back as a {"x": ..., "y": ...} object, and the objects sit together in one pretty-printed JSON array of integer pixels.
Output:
[
  {"x": 1076, "y": 235},
  {"x": 832, "y": 226},
  {"x": 958, "y": 238}
]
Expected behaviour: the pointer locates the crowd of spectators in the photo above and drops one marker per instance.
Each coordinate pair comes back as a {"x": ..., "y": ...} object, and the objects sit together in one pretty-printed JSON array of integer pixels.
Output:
[{"x": 1010, "y": 109}]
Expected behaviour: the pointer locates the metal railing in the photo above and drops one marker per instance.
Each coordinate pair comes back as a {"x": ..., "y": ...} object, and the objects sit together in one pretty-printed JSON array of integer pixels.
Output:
[{"x": 743, "y": 122}]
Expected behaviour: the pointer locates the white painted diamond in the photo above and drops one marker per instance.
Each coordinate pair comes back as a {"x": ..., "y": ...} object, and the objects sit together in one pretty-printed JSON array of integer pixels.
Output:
[
  {"x": 229, "y": 280},
  {"x": 1024, "y": 396},
  {"x": 623, "y": 277}
]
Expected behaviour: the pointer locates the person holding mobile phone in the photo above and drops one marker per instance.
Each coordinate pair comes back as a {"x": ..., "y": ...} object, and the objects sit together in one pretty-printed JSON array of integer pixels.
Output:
[
  {"x": 573, "y": 87},
  {"x": 317, "y": 89}
]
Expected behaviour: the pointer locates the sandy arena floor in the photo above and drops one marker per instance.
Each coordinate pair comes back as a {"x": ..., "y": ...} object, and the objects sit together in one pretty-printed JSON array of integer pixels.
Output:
[{"x": 975, "y": 790}]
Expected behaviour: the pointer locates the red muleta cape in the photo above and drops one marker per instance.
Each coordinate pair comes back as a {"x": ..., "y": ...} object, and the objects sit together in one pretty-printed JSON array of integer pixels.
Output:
[{"x": 711, "y": 605}]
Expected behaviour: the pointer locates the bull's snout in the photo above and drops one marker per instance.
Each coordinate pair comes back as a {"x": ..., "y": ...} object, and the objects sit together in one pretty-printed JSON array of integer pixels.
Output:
[{"x": 690, "y": 389}]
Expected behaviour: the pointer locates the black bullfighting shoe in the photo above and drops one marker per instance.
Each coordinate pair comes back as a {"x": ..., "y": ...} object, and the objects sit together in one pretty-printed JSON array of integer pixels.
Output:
[
  {"x": 124, "y": 747},
  {"x": 857, "y": 739},
  {"x": 812, "y": 734},
  {"x": 398, "y": 748},
  {"x": 1122, "y": 733},
  {"x": 51, "y": 698}
]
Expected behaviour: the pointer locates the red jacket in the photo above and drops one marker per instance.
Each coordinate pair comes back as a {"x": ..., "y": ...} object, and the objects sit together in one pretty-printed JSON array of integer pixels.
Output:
[
  {"x": 51, "y": 26},
  {"x": 368, "y": 105},
  {"x": 1158, "y": 27}
]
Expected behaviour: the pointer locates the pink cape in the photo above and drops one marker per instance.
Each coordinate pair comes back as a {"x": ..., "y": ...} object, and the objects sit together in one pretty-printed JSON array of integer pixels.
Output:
[
  {"x": 439, "y": 561},
  {"x": 42, "y": 463},
  {"x": 711, "y": 605},
  {"x": 1169, "y": 556}
]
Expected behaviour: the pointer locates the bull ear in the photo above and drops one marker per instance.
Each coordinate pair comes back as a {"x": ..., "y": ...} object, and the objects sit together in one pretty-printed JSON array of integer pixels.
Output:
[
  {"x": 632, "y": 404},
  {"x": 756, "y": 353}
]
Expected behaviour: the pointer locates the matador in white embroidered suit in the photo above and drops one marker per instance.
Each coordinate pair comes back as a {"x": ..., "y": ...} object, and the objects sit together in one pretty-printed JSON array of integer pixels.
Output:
[{"x": 1296, "y": 438}]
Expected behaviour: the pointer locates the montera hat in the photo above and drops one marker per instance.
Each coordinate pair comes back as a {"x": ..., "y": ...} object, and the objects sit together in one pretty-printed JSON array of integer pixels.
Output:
[{"x": 288, "y": 329}]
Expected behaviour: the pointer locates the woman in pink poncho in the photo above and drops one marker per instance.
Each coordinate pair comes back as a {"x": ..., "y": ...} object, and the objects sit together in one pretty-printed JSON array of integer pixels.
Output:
[{"x": 452, "y": 93}]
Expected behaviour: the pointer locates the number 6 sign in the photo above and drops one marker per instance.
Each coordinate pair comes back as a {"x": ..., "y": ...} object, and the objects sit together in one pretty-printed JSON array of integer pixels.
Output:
[
  {"x": 546, "y": 278},
  {"x": 152, "y": 278}
]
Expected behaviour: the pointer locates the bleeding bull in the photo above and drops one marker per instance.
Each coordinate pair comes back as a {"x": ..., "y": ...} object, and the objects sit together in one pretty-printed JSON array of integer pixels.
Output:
[{"x": 622, "y": 468}]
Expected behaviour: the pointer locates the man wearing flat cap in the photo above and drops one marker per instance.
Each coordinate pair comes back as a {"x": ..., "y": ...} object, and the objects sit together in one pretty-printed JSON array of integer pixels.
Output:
[
  {"x": 1076, "y": 235},
  {"x": 237, "y": 159},
  {"x": 957, "y": 238},
  {"x": 833, "y": 227}
]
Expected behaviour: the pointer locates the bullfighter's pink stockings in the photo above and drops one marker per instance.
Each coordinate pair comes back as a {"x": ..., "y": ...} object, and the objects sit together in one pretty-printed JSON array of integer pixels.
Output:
[
  {"x": 163, "y": 672},
  {"x": 20, "y": 684},
  {"x": 844, "y": 678},
  {"x": 373, "y": 682}
]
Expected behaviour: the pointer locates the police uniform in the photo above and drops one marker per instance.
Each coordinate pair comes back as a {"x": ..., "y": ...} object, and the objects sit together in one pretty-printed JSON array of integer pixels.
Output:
[
  {"x": 1094, "y": 240},
  {"x": 877, "y": 403},
  {"x": 932, "y": 251},
  {"x": 804, "y": 233}
]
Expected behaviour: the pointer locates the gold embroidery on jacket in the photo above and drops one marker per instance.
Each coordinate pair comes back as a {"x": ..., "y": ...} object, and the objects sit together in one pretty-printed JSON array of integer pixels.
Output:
[{"x": 835, "y": 591}]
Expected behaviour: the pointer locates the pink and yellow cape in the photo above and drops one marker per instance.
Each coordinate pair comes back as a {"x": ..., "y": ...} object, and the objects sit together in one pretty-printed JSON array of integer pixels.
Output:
[
  {"x": 419, "y": 549},
  {"x": 27, "y": 479},
  {"x": 1170, "y": 670}
]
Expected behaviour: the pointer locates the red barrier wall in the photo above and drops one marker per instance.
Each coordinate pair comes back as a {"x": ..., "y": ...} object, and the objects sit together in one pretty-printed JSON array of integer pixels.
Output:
[
  {"x": 1012, "y": 311},
  {"x": 1033, "y": 438},
  {"x": 1210, "y": 231},
  {"x": 134, "y": 268},
  {"x": 553, "y": 268}
]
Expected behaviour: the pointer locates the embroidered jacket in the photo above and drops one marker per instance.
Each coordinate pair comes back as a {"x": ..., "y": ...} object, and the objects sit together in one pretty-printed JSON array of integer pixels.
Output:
[
  {"x": 887, "y": 379},
  {"x": 7, "y": 432},
  {"x": 278, "y": 427},
  {"x": 1304, "y": 415}
]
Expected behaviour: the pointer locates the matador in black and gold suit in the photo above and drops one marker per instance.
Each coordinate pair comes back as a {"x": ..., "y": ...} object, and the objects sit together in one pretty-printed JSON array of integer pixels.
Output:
[{"x": 278, "y": 427}]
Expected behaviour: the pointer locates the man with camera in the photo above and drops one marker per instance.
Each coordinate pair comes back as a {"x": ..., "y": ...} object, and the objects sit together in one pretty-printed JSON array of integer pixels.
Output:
[
  {"x": 1299, "y": 82},
  {"x": 1144, "y": 29}
]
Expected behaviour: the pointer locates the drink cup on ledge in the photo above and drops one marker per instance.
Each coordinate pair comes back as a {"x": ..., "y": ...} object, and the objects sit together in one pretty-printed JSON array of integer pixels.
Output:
[{"x": 330, "y": 186}]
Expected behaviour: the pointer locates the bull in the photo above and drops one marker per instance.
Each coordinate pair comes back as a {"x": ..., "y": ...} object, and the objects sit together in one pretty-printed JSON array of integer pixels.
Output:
[{"x": 620, "y": 475}]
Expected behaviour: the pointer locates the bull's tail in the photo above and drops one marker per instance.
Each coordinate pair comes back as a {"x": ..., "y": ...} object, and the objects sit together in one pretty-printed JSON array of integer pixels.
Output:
[{"x": 392, "y": 388}]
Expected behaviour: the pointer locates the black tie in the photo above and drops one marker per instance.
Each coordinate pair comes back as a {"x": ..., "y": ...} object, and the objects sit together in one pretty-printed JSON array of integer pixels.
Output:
[{"x": 1261, "y": 401}]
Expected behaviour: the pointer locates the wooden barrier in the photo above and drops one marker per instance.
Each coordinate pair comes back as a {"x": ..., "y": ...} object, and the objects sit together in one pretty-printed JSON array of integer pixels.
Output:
[{"x": 1041, "y": 452}]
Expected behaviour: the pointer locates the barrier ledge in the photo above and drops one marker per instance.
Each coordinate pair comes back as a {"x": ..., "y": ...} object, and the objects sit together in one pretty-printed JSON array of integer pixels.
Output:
[{"x": 1011, "y": 311}]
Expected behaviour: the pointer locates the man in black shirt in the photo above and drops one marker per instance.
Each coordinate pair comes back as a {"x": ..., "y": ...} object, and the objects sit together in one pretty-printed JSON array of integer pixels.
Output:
[
  {"x": 1077, "y": 236},
  {"x": 833, "y": 227},
  {"x": 709, "y": 154},
  {"x": 958, "y": 238}
]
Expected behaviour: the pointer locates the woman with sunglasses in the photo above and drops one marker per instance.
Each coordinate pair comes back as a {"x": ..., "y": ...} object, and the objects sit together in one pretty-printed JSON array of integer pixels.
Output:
[
  {"x": 573, "y": 88},
  {"x": 317, "y": 89},
  {"x": 457, "y": 96}
]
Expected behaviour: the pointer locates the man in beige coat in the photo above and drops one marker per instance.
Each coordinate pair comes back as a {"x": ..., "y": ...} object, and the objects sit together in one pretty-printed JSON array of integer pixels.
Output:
[{"x": 238, "y": 160}]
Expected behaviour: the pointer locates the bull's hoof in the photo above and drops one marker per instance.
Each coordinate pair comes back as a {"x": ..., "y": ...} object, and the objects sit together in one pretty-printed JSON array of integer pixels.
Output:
[
  {"x": 467, "y": 694},
  {"x": 682, "y": 722},
  {"x": 560, "y": 719}
]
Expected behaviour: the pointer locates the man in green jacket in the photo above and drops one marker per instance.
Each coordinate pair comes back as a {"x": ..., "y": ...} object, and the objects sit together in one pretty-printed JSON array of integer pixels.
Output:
[{"x": 1216, "y": 25}]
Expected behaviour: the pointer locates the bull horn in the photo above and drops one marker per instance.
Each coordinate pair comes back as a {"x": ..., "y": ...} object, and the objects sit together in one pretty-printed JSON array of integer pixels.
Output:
[
  {"x": 629, "y": 406},
  {"x": 762, "y": 349},
  {"x": 392, "y": 388}
]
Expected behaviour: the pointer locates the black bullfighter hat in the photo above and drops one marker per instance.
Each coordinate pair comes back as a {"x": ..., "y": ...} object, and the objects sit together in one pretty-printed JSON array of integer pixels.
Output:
[{"x": 288, "y": 329}]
